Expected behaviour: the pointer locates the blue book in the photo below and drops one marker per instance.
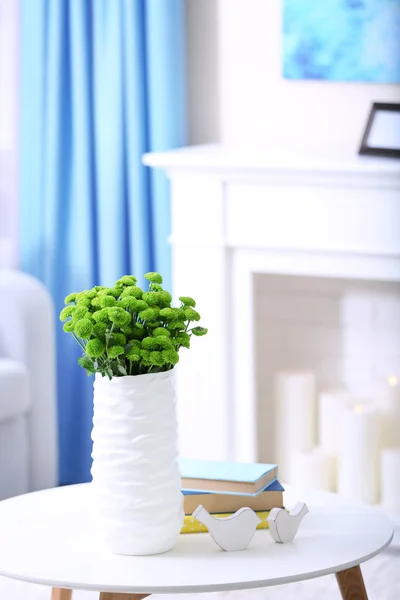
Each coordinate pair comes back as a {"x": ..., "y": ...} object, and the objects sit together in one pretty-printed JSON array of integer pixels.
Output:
[
  {"x": 274, "y": 486},
  {"x": 227, "y": 477}
]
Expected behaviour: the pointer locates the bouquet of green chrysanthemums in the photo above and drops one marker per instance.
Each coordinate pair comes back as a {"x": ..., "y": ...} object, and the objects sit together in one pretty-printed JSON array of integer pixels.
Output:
[{"x": 123, "y": 330}]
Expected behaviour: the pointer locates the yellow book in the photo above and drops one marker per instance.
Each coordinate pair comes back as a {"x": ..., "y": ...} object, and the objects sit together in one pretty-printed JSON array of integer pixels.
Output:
[{"x": 192, "y": 525}]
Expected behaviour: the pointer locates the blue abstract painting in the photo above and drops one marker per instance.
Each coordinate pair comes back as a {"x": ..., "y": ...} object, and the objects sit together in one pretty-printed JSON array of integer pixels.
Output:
[{"x": 342, "y": 40}]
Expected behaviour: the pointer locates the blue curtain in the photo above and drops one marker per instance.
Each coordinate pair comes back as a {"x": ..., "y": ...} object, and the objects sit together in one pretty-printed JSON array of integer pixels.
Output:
[{"x": 102, "y": 82}]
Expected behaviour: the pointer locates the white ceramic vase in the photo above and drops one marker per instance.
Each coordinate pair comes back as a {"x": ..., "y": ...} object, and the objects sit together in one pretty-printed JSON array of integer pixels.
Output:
[{"x": 136, "y": 480}]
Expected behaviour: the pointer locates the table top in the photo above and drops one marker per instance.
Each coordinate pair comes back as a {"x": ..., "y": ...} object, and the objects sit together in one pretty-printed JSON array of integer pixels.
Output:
[{"x": 50, "y": 537}]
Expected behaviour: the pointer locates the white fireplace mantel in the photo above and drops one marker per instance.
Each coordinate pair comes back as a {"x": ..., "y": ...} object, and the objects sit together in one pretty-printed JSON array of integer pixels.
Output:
[{"x": 237, "y": 213}]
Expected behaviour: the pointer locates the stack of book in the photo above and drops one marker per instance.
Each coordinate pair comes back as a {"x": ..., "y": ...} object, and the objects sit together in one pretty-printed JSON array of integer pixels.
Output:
[{"x": 225, "y": 487}]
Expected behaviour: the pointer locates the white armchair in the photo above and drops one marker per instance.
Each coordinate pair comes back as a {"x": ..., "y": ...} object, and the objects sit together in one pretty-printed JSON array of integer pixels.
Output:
[{"x": 28, "y": 427}]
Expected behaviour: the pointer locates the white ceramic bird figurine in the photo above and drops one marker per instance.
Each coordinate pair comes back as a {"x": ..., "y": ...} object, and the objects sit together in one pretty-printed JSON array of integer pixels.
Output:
[
  {"x": 283, "y": 526},
  {"x": 230, "y": 533}
]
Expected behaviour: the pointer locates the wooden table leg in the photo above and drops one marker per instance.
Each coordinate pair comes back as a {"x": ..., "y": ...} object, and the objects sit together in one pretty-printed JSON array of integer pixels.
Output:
[
  {"x": 113, "y": 596},
  {"x": 351, "y": 584},
  {"x": 61, "y": 594}
]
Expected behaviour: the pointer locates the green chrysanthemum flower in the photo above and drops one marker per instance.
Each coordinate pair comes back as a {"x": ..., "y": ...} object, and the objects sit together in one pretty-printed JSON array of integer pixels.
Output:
[
  {"x": 129, "y": 303},
  {"x": 96, "y": 301},
  {"x": 119, "y": 316},
  {"x": 80, "y": 312},
  {"x": 99, "y": 288},
  {"x": 114, "y": 291},
  {"x": 115, "y": 351},
  {"x": 84, "y": 328},
  {"x": 145, "y": 355},
  {"x": 138, "y": 331},
  {"x": 161, "y": 331},
  {"x": 167, "y": 314},
  {"x": 177, "y": 325},
  {"x": 187, "y": 301},
  {"x": 154, "y": 277},
  {"x": 118, "y": 339},
  {"x": 95, "y": 348},
  {"x": 149, "y": 314},
  {"x": 170, "y": 356},
  {"x": 157, "y": 359},
  {"x": 134, "y": 291},
  {"x": 153, "y": 298},
  {"x": 192, "y": 315},
  {"x": 70, "y": 298},
  {"x": 84, "y": 302},
  {"x": 68, "y": 326},
  {"x": 166, "y": 297},
  {"x": 141, "y": 305},
  {"x": 102, "y": 315},
  {"x": 199, "y": 331},
  {"x": 156, "y": 287},
  {"x": 149, "y": 343},
  {"x": 133, "y": 354},
  {"x": 164, "y": 342},
  {"x": 151, "y": 325},
  {"x": 106, "y": 300},
  {"x": 99, "y": 330},
  {"x": 66, "y": 312},
  {"x": 183, "y": 339},
  {"x": 127, "y": 280}
]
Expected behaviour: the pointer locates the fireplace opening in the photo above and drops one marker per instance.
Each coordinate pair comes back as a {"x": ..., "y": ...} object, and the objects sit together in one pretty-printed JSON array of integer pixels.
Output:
[{"x": 346, "y": 331}]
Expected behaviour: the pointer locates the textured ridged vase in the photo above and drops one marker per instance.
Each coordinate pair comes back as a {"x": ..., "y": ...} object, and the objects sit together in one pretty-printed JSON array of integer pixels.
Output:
[{"x": 136, "y": 480}]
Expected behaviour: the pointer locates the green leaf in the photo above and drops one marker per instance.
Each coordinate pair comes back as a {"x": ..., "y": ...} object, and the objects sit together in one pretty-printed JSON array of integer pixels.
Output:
[{"x": 122, "y": 370}]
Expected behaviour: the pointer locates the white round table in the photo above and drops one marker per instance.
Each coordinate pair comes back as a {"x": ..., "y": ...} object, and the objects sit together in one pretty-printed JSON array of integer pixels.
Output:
[{"x": 49, "y": 538}]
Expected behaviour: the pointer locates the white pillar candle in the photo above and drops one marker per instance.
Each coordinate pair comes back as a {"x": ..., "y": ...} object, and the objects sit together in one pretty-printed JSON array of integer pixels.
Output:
[
  {"x": 295, "y": 417},
  {"x": 390, "y": 479},
  {"x": 389, "y": 408},
  {"x": 331, "y": 404},
  {"x": 315, "y": 470},
  {"x": 359, "y": 454}
]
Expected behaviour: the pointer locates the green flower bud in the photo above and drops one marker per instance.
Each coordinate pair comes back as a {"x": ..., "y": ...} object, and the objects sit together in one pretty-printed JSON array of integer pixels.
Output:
[
  {"x": 66, "y": 312},
  {"x": 153, "y": 277},
  {"x": 115, "y": 351},
  {"x": 187, "y": 301},
  {"x": 70, "y": 298},
  {"x": 84, "y": 328},
  {"x": 68, "y": 326},
  {"x": 95, "y": 348}
]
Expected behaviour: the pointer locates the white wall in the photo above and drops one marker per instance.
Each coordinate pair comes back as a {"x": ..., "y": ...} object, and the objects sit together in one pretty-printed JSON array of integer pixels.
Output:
[{"x": 254, "y": 104}]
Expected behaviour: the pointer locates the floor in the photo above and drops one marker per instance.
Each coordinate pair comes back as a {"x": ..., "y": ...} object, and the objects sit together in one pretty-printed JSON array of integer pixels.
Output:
[{"x": 381, "y": 575}]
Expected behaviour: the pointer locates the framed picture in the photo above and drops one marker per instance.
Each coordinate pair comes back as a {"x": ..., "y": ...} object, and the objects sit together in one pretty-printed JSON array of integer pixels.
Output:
[{"x": 382, "y": 133}]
